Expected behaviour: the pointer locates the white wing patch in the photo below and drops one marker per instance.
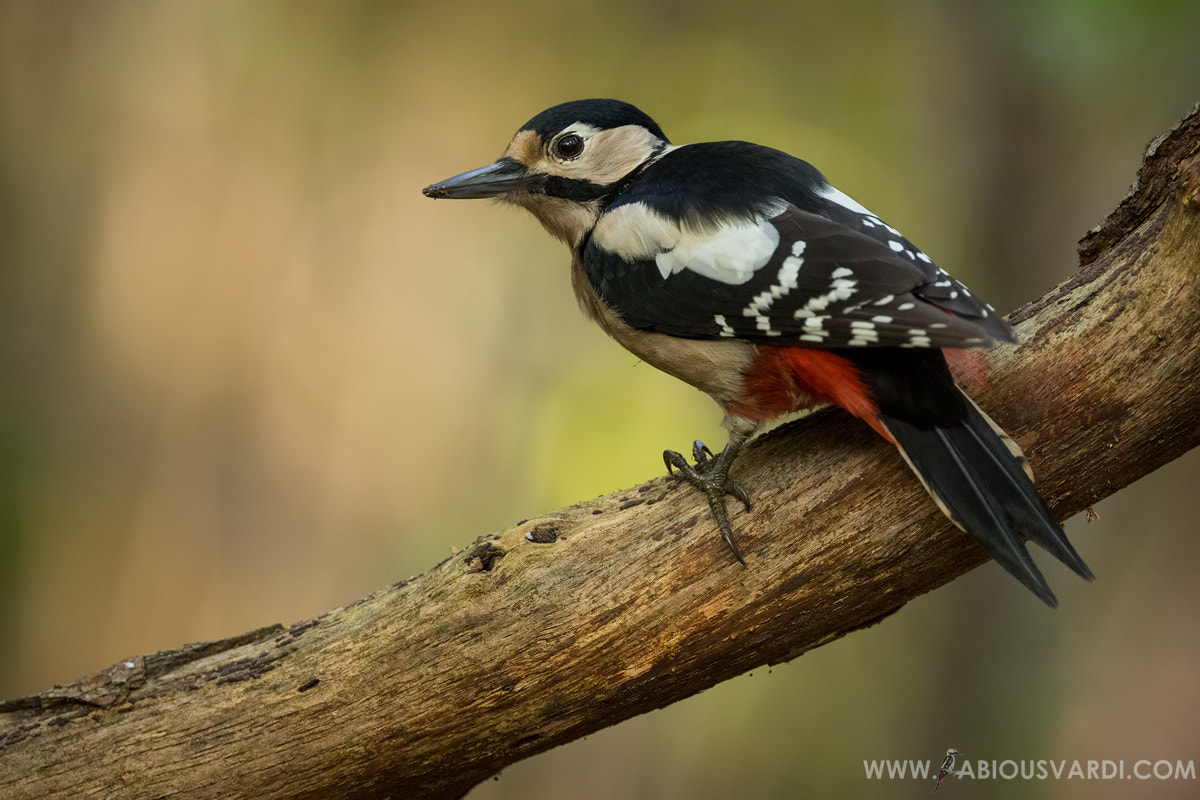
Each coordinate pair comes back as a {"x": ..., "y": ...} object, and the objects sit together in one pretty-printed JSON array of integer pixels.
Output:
[
  {"x": 868, "y": 218},
  {"x": 635, "y": 233},
  {"x": 844, "y": 200},
  {"x": 840, "y": 290},
  {"x": 731, "y": 254},
  {"x": 786, "y": 280}
]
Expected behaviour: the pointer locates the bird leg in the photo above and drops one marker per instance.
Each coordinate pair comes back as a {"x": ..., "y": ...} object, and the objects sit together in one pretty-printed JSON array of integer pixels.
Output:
[{"x": 711, "y": 476}]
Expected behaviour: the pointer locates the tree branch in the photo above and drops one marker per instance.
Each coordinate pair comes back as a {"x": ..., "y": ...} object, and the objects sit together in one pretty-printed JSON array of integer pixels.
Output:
[{"x": 592, "y": 614}]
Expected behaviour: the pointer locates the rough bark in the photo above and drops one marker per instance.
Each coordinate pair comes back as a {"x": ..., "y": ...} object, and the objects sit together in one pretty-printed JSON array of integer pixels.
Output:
[{"x": 592, "y": 614}]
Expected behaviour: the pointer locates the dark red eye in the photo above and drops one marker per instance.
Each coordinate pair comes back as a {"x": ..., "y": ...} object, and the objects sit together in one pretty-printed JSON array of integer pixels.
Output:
[{"x": 569, "y": 146}]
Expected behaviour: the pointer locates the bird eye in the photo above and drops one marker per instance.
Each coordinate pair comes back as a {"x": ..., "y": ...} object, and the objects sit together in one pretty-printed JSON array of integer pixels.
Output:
[{"x": 569, "y": 146}]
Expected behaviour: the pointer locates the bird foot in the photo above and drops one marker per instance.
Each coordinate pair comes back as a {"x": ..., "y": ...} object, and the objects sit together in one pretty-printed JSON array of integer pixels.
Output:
[{"x": 710, "y": 474}]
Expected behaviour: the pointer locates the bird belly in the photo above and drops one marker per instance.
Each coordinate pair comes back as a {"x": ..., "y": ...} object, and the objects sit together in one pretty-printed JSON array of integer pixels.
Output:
[{"x": 714, "y": 366}]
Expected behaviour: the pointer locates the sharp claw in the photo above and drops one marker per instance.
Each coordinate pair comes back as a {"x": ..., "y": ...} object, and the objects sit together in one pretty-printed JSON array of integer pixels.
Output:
[
  {"x": 739, "y": 491},
  {"x": 710, "y": 474},
  {"x": 716, "y": 504}
]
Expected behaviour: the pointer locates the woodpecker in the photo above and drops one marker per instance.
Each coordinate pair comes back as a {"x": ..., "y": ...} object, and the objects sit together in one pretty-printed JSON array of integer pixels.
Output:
[
  {"x": 947, "y": 768},
  {"x": 740, "y": 270}
]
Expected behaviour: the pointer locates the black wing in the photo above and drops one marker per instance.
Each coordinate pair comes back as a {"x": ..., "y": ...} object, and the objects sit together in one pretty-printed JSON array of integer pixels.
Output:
[{"x": 836, "y": 276}]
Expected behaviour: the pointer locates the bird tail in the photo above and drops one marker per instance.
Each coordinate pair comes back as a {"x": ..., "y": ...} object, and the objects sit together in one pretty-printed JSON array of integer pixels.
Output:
[{"x": 980, "y": 479}]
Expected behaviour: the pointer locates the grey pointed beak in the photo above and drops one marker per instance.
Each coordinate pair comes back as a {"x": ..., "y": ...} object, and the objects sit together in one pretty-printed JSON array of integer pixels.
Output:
[{"x": 506, "y": 176}]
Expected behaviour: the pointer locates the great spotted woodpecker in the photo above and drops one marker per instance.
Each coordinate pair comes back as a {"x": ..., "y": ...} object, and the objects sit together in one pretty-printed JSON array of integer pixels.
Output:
[
  {"x": 739, "y": 269},
  {"x": 947, "y": 768}
]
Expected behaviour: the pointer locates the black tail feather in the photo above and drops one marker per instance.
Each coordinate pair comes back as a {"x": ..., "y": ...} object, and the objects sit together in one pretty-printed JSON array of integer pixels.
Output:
[
  {"x": 979, "y": 479},
  {"x": 972, "y": 469}
]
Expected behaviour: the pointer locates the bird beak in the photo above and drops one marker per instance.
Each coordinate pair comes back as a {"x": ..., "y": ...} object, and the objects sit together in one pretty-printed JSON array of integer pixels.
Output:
[{"x": 506, "y": 176}]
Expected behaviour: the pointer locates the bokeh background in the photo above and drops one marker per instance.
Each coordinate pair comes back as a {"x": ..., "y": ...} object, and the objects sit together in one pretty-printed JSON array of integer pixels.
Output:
[{"x": 248, "y": 373}]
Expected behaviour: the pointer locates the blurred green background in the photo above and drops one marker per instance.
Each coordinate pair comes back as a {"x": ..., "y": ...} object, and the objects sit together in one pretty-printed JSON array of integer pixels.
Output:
[{"x": 248, "y": 373}]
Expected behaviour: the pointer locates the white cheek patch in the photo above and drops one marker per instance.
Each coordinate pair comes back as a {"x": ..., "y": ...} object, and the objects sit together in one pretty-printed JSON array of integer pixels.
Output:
[
  {"x": 731, "y": 254},
  {"x": 610, "y": 155}
]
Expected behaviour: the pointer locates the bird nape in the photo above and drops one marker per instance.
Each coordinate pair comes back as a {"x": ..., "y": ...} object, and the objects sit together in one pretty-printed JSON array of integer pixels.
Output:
[{"x": 740, "y": 270}]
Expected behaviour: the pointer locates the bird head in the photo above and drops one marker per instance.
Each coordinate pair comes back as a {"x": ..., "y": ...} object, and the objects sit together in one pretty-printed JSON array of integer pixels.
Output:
[{"x": 565, "y": 164}]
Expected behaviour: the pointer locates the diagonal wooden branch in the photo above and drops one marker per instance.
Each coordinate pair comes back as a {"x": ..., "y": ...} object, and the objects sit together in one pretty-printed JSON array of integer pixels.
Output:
[{"x": 595, "y": 613}]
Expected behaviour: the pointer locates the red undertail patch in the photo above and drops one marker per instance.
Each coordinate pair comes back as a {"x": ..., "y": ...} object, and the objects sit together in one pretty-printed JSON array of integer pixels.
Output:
[{"x": 782, "y": 380}]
